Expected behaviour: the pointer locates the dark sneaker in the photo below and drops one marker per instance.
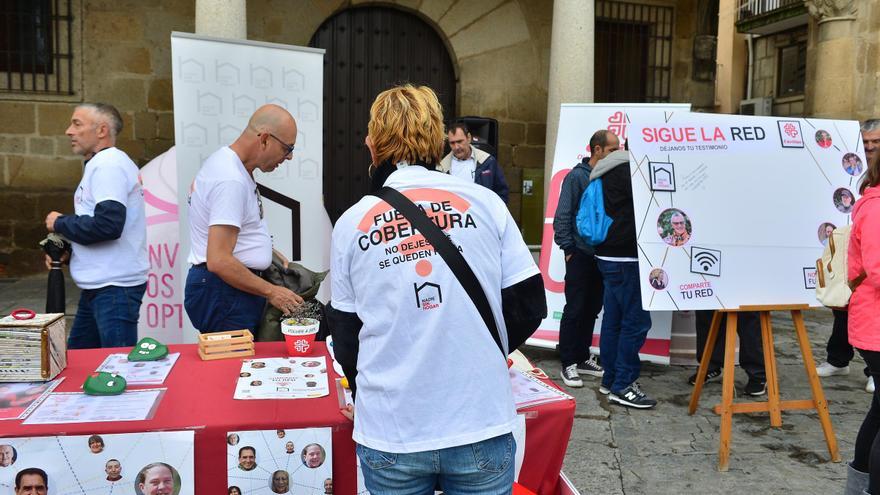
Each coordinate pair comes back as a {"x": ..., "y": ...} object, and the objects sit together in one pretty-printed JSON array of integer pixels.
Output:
[
  {"x": 755, "y": 387},
  {"x": 633, "y": 396},
  {"x": 570, "y": 376},
  {"x": 711, "y": 376},
  {"x": 590, "y": 367}
]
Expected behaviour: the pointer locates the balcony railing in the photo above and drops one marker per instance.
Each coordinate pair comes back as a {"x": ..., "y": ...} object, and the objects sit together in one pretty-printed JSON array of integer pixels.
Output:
[{"x": 765, "y": 16}]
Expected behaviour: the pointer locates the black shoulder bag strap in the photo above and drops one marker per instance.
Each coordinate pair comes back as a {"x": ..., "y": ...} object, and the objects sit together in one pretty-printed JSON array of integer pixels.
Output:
[{"x": 450, "y": 254}]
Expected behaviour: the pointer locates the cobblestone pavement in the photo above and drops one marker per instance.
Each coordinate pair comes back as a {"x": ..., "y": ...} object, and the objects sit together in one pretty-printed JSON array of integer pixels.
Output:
[{"x": 614, "y": 450}]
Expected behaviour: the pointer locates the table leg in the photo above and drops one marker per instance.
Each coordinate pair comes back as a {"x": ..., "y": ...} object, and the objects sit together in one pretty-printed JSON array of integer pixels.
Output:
[
  {"x": 770, "y": 369},
  {"x": 818, "y": 395},
  {"x": 704, "y": 362},
  {"x": 727, "y": 393}
]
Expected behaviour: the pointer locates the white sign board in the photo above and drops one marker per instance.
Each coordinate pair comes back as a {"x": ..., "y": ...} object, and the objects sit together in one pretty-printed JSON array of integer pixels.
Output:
[
  {"x": 734, "y": 210},
  {"x": 577, "y": 123},
  {"x": 162, "y": 315},
  {"x": 218, "y": 84}
]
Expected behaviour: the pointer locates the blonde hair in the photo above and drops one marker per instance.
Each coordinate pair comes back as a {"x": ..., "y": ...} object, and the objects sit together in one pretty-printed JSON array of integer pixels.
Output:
[{"x": 406, "y": 124}]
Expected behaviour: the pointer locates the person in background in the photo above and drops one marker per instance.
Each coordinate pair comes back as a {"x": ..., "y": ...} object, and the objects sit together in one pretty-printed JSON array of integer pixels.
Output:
[
  {"x": 625, "y": 324},
  {"x": 863, "y": 276},
  {"x": 108, "y": 231},
  {"x": 425, "y": 379},
  {"x": 231, "y": 245},
  {"x": 583, "y": 281},
  {"x": 472, "y": 164},
  {"x": 838, "y": 350}
]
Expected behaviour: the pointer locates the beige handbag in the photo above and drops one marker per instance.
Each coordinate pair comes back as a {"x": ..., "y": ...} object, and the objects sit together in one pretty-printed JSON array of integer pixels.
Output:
[{"x": 832, "y": 289}]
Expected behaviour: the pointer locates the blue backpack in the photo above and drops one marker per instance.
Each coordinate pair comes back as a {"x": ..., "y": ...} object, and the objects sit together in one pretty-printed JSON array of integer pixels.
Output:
[{"x": 592, "y": 221}]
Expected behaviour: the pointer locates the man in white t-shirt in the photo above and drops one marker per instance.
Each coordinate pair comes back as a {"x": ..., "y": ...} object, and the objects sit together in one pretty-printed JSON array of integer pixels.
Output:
[
  {"x": 430, "y": 384},
  {"x": 229, "y": 238},
  {"x": 108, "y": 231}
]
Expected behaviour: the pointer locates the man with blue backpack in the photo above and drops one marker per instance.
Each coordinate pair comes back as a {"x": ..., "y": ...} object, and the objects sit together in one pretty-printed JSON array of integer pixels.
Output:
[
  {"x": 625, "y": 324},
  {"x": 583, "y": 282}
]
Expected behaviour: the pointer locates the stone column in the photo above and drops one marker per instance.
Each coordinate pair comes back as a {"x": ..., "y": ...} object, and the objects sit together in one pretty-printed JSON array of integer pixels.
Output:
[
  {"x": 833, "y": 84},
  {"x": 571, "y": 67},
  {"x": 222, "y": 18},
  {"x": 731, "y": 60}
]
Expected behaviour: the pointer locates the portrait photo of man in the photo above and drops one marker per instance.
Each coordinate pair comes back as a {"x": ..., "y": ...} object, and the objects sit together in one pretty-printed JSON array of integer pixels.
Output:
[
  {"x": 852, "y": 164},
  {"x": 247, "y": 458},
  {"x": 674, "y": 227},
  {"x": 31, "y": 481},
  {"x": 8, "y": 455},
  {"x": 313, "y": 455},
  {"x": 328, "y": 486},
  {"x": 113, "y": 468},
  {"x": 289, "y": 447},
  {"x": 156, "y": 479}
]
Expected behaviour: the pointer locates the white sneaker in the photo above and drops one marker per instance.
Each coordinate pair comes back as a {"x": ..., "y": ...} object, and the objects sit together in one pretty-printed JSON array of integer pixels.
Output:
[
  {"x": 869, "y": 387},
  {"x": 827, "y": 369},
  {"x": 603, "y": 390},
  {"x": 570, "y": 376}
]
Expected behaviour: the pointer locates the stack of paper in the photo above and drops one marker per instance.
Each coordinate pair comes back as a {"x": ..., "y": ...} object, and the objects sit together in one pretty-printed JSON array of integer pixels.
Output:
[
  {"x": 529, "y": 391},
  {"x": 31, "y": 350}
]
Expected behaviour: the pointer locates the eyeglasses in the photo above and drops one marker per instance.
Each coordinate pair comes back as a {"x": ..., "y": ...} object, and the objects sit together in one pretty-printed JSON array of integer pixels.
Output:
[{"x": 288, "y": 148}]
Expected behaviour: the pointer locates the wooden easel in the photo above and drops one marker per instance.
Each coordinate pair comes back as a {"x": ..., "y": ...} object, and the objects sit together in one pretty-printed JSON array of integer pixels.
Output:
[{"x": 726, "y": 409}]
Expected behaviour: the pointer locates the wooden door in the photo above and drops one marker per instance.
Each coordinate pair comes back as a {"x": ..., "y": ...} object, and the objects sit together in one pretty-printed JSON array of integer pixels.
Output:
[{"x": 370, "y": 49}]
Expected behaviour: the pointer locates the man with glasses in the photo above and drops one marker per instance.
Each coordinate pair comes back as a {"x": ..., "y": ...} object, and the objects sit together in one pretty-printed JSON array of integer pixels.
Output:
[
  {"x": 230, "y": 241},
  {"x": 679, "y": 235}
]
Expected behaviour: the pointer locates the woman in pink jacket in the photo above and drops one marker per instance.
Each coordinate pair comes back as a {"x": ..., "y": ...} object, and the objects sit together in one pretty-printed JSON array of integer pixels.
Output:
[{"x": 863, "y": 273}]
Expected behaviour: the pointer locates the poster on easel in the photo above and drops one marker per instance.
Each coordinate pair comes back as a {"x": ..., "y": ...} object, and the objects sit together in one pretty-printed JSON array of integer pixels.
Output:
[
  {"x": 577, "y": 123},
  {"x": 734, "y": 210}
]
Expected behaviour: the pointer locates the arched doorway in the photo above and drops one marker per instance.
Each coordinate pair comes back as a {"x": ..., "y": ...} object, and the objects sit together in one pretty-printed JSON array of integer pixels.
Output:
[{"x": 370, "y": 49}]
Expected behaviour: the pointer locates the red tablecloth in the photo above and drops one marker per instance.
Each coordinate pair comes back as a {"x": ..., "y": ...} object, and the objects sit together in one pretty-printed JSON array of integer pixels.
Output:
[{"x": 199, "y": 397}]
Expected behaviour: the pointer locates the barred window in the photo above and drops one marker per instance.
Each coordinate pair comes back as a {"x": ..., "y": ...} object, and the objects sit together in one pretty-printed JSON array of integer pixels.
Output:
[{"x": 36, "y": 46}]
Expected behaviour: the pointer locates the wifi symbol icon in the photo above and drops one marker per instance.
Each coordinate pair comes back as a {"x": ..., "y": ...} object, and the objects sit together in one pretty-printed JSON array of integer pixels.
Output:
[{"x": 706, "y": 261}]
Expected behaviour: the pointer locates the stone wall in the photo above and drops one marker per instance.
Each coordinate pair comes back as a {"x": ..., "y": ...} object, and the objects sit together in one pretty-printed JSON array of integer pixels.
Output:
[
  {"x": 121, "y": 52},
  {"x": 500, "y": 50},
  {"x": 764, "y": 74}
]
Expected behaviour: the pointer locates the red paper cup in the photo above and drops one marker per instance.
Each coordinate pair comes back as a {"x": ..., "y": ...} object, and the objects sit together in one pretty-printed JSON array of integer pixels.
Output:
[{"x": 299, "y": 335}]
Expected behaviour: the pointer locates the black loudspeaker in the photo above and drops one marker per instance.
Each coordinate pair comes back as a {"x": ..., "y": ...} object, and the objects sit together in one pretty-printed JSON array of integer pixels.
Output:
[{"x": 484, "y": 133}]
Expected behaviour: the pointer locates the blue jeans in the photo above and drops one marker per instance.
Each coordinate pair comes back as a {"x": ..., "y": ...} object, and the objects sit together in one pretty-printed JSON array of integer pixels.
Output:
[
  {"x": 107, "y": 317},
  {"x": 484, "y": 468},
  {"x": 625, "y": 324},
  {"x": 215, "y": 306}
]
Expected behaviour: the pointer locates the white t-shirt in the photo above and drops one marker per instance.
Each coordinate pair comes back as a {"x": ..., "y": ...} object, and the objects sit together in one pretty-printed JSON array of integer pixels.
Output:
[
  {"x": 430, "y": 376},
  {"x": 224, "y": 193},
  {"x": 466, "y": 169},
  {"x": 111, "y": 175}
]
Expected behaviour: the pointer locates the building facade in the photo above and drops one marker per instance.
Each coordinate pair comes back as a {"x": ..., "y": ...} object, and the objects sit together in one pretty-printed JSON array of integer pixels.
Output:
[{"x": 489, "y": 58}]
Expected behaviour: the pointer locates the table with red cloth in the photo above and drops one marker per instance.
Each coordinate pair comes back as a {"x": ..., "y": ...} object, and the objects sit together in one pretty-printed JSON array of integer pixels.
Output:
[{"x": 199, "y": 398}]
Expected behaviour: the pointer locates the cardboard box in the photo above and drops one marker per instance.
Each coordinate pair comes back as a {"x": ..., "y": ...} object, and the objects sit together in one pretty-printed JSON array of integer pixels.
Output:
[{"x": 34, "y": 349}]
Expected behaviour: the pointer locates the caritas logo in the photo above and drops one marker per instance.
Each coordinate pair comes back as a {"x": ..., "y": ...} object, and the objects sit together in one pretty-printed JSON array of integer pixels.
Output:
[{"x": 790, "y": 134}]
